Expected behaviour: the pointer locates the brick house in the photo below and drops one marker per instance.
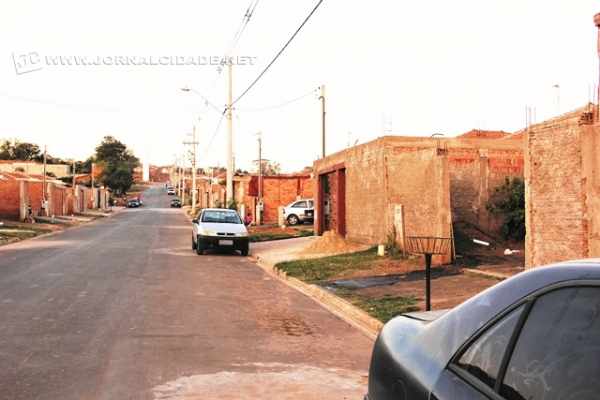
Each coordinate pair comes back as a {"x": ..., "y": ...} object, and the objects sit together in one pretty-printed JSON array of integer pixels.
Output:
[
  {"x": 563, "y": 188},
  {"x": 18, "y": 191}
]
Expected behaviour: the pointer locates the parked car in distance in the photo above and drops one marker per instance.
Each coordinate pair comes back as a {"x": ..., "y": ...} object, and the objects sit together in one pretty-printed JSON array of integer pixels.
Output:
[
  {"x": 535, "y": 336},
  {"x": 219, "y": 228},
  {"x": 133, "y": 203},
  {"x": 299, "y": 211},
  {"x": 176, "y": 203},
  {"x": 171, "y": 191}
]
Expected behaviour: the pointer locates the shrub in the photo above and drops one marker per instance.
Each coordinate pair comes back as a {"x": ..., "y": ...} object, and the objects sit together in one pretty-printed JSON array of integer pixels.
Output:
[{"x": 508, "y": 201}]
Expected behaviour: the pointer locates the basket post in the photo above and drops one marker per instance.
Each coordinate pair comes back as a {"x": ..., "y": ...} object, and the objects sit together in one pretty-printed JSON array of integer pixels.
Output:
[{"x": 427, "y": 282}]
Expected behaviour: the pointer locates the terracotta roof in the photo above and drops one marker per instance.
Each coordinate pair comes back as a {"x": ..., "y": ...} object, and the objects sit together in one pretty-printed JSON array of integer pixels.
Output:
[{"x": 481, "y": 134}]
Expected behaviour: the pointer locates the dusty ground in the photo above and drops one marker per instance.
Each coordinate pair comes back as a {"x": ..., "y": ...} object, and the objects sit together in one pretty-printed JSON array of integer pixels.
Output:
[{"x": 449, "y": 287}]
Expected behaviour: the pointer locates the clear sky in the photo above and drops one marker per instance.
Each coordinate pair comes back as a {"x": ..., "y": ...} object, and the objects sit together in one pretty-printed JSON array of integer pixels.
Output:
[{"x": 417, "y": 68}]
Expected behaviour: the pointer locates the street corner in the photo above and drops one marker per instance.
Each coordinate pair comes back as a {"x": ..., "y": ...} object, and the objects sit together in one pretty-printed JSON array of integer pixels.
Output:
[{"x": 268, "y": 381}]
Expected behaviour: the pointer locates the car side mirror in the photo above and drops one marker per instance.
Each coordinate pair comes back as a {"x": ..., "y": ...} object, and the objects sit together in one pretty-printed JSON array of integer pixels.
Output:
[{"x": 195, "y": 220}]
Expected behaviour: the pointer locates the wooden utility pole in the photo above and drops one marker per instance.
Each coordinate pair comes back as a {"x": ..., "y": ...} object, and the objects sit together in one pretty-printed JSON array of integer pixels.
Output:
[
  {"x": 322, "y": 98},
  {"x": 260, "y": 182},
  {"x": 229, "y": 149},
  {"x": 194, "y": 144},
  {"x": 73, "y": 183},
  {"x": 44, "y": 189}
]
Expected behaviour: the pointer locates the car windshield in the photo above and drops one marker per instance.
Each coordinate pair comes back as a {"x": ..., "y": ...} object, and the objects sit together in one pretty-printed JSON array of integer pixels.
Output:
[{"x": 221, "y": 217}]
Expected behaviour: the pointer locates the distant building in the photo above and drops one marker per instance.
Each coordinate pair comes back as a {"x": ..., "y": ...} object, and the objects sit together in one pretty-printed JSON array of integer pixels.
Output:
[{"x": 35, "y": 168}]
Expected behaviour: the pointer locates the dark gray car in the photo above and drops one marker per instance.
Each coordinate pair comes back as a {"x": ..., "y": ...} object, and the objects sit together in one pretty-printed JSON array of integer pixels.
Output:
[{"x": 535, "y": 336}]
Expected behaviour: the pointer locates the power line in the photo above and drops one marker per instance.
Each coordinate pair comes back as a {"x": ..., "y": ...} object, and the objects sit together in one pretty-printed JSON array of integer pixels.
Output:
[
  {"x": 247, "y": 15},
  {"x": 278, "y": 54},
  {"x": 236, "y": 38},
  {"x": 212, "y": 138},
  {"x": 206, "y": 100},
  {"x": 283, "y": 104}
]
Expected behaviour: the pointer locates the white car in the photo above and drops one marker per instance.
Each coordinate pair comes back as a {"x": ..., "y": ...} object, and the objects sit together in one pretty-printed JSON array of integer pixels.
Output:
[
  {"x": 219, "y": 228},
  {"x": 171, "y": 191},
  {"x": 299, "y": 211}
]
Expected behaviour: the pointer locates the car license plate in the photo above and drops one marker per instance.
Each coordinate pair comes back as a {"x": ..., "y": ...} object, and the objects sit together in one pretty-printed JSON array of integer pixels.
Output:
[{"x": 225, "y": 242}]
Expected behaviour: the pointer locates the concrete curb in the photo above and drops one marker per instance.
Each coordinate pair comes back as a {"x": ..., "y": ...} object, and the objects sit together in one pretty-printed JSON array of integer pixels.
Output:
[
  {"x": 356, "y": 317},
  {"x": 485, "y": 274}
]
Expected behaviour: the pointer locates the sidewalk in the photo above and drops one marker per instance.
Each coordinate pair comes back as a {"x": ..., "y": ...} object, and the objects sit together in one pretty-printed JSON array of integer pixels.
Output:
[
  {"x": 277, "y": 251},
  {"x": 268, "y": 254}
]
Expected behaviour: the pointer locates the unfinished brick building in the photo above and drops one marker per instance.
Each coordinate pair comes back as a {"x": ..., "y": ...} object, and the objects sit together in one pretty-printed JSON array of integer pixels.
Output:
[
  {"x": 369, "y": 191},
  {"x": 563, "y": 189}
]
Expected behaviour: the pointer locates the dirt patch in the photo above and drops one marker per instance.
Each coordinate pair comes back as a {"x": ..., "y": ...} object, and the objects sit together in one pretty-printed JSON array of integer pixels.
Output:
[
  {"x": 331, "y": 242},
  {"x": 472, "y": 255},
  {"x": 273, "y": 232},
  {"x": 267, "y": 381},
  {"x": 449, "y": 287}
]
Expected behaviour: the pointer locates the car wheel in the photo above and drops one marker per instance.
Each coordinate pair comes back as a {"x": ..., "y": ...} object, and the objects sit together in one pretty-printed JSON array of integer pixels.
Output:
[
  {"x": 193, "y": 244},
  {"x": 199, "y": 247},
  {"x": 293, "y": 220},
  {"x": 244, "y": 251}
]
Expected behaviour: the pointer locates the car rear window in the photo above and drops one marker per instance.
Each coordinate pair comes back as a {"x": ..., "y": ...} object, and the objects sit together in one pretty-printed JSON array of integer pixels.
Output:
[
  {"x": 221, "y": 217},
  {"x": 483, "y": 358}
]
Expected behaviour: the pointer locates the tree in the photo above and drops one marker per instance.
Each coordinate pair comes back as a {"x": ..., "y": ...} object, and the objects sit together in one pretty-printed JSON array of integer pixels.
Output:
[
  {"x": 112, "y": 151},
  {"x": 117, "y": 177},
  {"x": 508, "y": 201},
  {"x": 6, "y": 152},
  {"x": 270, "y": 167},
  {"x": 118, "y": 164},
  {"x": 26, "y": 151},
  {"x": 22, "y": 151}
]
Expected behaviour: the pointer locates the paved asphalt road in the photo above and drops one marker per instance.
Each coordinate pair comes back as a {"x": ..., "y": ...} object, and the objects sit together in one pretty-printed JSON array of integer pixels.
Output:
[{"x": 123, "y": 309}]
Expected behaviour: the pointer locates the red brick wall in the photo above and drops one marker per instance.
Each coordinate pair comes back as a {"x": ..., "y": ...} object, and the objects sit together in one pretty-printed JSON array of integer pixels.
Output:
[
  {"x": 70, "y": 201},
  {"x": 9, "y": 199},
  {"x": 35, "y": 196},
  {"x": 331, "y": 219},
  {"x": 559, "y": 208},
  {"x": 474, "y": 176},
  {"x": 277, "y": 191}
]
